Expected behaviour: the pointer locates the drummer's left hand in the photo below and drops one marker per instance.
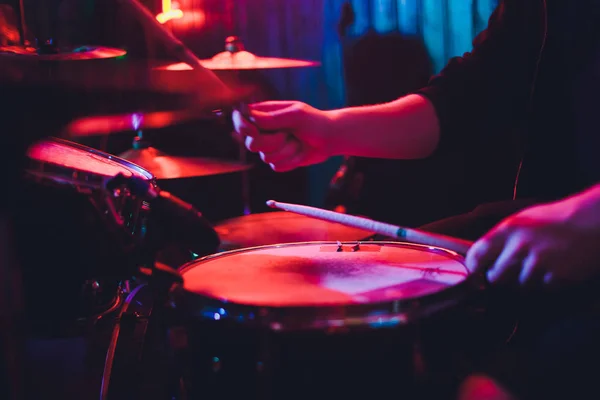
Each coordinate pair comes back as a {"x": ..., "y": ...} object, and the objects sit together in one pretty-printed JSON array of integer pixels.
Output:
[{"x": 547, "y": 244}]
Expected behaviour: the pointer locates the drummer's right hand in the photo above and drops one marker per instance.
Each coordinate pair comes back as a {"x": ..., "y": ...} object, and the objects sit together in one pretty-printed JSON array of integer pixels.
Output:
[{"x": 286, "y": 134}]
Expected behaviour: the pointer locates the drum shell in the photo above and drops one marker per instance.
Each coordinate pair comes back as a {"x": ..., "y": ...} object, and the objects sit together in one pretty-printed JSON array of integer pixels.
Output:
[
  {"x": 178, "y": 355},
  {"x": 416, "y": 347},
  {"x": 420, "y": 346},
  {"x": 424, "y": 358},
  {"x": 63, "y": 247},
  {"x": 73, "y": 260}
]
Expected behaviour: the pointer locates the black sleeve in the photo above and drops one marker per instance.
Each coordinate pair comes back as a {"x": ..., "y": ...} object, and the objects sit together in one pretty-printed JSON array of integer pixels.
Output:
[{"x": 488, "y": 89}]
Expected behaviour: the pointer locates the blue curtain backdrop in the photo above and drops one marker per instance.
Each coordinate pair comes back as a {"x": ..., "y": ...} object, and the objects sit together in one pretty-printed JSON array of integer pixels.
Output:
[{"x": 308, "y": 29}]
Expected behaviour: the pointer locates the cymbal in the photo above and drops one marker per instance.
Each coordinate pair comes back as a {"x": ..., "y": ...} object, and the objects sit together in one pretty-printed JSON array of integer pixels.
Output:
[
  {"x": 243, "y": 60},
  {"x": 115, "y": 87},
  {"x": 237, "y": 58},
  {"x": 201, "y": 87},
  {"x": 164, "y": 166},
  {"x": 68, "y": 54},
  {"x": 123, "y": 123},
  {"x": 282, "y": 227}
]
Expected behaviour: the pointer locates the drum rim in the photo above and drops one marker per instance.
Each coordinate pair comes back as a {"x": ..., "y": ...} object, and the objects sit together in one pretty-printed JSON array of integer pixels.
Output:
[
  {"x": 391, "y": 313},
  {"x": 70, "y": 175}
]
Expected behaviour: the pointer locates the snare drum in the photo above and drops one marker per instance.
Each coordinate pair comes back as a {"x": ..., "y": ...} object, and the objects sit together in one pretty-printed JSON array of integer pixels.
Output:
[
  {"x": 320, "y": 320},
  {"x": 72, "y": 261}
]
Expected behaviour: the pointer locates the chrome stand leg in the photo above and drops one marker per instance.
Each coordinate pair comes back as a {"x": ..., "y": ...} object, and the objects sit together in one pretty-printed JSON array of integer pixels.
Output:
[{"x": 245, "y": 182}]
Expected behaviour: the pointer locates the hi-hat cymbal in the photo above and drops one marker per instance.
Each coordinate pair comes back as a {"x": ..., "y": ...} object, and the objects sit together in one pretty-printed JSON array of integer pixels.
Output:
[
  {"x": 70, "y": 54},
  {"x": 164, "y": 166},
  {"x": 243, "y": 60}
]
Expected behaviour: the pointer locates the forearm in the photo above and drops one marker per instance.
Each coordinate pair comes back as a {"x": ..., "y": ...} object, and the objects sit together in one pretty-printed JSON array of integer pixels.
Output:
[{"x": 406, "y": 128}]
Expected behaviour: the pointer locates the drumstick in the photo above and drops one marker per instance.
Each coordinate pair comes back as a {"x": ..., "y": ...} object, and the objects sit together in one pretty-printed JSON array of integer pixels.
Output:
[
  {"x": 161, "y": 33},
  {"x": 174, "y": 45},
  {"x": 244, "y": 109},
  {"x": 410, "y": 235}
]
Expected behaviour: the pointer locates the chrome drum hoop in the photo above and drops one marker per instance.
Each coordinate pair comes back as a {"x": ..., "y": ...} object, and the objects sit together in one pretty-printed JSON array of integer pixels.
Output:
[
  {"x": 373, "y": 315},
  {"x": 133, "y": 210}
]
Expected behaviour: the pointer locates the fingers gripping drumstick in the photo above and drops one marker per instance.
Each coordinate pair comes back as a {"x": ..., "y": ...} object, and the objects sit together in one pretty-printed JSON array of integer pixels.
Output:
[
  {"x": 244, "y": 109},
  {"x": 410, "y": 235}
]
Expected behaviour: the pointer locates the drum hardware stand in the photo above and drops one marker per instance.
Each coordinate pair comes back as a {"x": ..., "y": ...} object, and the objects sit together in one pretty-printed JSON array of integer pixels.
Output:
[
  {"x": 233, "y": 44},
  {"x": 185, "y": 55},
  {"x": 22, "y": 25},
  {"x": 138, "y": 141},
  {"x": 142, "y": 251},
  {"x": 144, "y": 321},
  {"x": 160, "y": 276},
  {"x": 131, "y": 322},
  {"x": 164, "y": 326}
]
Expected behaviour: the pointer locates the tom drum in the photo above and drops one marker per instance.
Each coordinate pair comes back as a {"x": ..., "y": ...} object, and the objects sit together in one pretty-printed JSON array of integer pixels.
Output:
[
  {"x": 72, "y": 259},
  {"x": 322, "y": 320}
]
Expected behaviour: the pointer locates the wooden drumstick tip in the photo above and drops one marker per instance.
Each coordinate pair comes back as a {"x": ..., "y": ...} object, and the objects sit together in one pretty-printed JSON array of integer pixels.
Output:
[{"x": 272, "y": 204}]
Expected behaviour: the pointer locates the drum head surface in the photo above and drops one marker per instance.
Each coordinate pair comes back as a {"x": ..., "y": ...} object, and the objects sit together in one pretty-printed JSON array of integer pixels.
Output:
[
  {"x": 81, "y": 158},
  {"x": 282, "y": 227},
  {"x": 316, "y": 274}
]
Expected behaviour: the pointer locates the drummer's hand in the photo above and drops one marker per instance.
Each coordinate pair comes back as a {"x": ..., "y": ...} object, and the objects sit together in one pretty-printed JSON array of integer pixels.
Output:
[
  {"x": 297, "y": 134},
  {"x": 546, "y": 244}
]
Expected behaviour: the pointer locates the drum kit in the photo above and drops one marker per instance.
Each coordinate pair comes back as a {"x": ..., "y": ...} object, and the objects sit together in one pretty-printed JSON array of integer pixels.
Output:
[{"x": 264, "y": 306}]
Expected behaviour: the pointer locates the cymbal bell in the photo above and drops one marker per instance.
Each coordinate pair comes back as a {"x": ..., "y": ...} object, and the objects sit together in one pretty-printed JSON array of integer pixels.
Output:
[
  {"x": 65, "y": 54},
  {"x": 164, "y": 166},
  {"x": 243, "y": 60},
  {"x": 237, "y": 58}
]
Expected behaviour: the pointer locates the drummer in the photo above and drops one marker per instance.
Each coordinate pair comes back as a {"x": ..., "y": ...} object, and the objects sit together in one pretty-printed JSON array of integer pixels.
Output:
[{"x": 514, "y": 80}]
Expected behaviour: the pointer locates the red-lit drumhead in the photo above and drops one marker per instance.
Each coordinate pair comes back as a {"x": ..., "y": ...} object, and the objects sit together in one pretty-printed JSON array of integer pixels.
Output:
[{"x": 317, "y": 274}]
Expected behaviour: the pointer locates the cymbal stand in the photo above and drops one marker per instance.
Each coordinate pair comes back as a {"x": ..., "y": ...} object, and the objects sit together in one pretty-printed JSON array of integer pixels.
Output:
[
  {"x": 234, "y": 44},
  {"x": 180, "y": 51},
  {"x": 245, "y": 181},
  {"x": 138, "y": 141},
  {"x": 21, "y": 25}
]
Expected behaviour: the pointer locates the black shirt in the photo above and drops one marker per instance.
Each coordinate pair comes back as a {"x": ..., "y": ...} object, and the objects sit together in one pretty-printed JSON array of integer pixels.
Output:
[
  {"x": 586, "y": 93},
  {"x": 562, "y": 155},
  {"x": 532, "y": 73}
]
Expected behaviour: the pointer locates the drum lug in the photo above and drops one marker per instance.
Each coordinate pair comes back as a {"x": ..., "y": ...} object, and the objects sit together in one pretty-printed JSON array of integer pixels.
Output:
[{"x": 340, "y": 247}]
